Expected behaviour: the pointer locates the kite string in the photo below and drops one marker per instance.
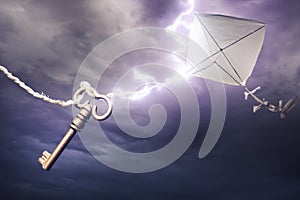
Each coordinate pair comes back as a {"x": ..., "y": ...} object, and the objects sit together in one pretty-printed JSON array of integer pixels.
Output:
[{"x": 34, "y": 93}]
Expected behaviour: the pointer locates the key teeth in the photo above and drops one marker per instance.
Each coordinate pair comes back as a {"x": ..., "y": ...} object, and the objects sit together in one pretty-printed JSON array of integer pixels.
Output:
[
  {"x": 46, "y": 154},
  {"x": 42, "y": 160}
]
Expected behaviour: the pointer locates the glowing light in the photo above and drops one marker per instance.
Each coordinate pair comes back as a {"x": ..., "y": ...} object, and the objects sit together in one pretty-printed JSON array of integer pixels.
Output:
[
  {"x": 181, "y": 67},
  {"x": 150, "y": 85},
  {"x": 144, "y": 91}
]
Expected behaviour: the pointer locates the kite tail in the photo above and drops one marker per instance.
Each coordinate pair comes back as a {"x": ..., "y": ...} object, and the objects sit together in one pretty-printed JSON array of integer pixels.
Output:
[{"x": 282, "y": 109}]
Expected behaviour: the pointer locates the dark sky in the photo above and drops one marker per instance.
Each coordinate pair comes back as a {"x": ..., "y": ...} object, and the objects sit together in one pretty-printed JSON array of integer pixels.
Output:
[{"x": 44, "y": 44}]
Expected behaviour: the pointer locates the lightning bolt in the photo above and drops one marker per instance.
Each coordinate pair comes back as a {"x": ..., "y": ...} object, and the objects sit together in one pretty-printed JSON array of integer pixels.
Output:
[
  {"x": 181, "y": 21},
  {"x": 184, "y": 20}
]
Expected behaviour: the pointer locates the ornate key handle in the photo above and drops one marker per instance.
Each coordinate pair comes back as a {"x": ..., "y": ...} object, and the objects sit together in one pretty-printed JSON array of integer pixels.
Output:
[
  {"x": 85, "y": 87},
  {"x": 86, "y": 110}
]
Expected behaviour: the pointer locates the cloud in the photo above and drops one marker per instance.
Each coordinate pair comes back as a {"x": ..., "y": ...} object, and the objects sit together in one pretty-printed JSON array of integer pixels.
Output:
[
  {"x": 54, "y": 38},
  {"x": 44, "y": 43}
]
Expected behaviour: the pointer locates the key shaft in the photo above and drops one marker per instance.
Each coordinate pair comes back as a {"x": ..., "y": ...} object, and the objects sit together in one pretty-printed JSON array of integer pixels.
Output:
[{"x": 47, "y": 160}]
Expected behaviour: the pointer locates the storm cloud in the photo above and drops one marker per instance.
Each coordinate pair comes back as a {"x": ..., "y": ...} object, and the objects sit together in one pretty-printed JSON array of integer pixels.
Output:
[{"x": 45, "y": 42}]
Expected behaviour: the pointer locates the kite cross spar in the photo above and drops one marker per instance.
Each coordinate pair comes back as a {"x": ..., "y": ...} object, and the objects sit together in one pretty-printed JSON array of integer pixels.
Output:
[{"x": 232, "y": 46}]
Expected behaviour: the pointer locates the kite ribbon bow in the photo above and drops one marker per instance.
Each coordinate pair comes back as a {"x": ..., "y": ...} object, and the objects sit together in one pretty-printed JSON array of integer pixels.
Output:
[{"x": 283, "y": 109}]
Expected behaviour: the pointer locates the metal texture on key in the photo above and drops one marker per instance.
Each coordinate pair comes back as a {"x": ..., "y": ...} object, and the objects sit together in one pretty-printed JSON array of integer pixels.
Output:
[{"x": 47, "y": 160}]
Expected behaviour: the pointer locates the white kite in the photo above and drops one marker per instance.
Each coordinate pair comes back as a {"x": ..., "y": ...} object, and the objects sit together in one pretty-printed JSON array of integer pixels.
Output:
[{"x": 232, "y": 46}]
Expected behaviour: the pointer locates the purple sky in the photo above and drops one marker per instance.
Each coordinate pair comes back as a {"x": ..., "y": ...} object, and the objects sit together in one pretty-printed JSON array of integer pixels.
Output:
[{"x": 45, "y": 42}]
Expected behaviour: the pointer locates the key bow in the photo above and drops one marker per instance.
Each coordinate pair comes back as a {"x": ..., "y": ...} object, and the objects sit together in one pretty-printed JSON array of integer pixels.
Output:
[{"x": 85, "y": 87}]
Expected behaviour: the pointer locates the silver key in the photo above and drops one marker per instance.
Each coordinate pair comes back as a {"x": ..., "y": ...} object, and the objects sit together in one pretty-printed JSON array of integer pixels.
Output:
[{"x": 47, "y": 160}]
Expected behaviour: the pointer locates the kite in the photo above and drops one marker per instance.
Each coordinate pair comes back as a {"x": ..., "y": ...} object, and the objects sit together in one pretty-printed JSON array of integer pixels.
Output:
[{"x": 232, "y": 46}]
